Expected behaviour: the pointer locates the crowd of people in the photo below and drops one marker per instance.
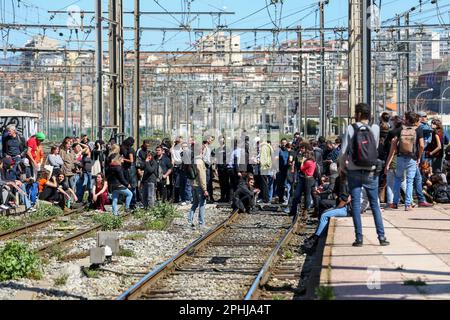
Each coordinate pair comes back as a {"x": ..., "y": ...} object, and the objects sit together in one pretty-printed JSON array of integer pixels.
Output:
[{"x": 368, "y": 165}]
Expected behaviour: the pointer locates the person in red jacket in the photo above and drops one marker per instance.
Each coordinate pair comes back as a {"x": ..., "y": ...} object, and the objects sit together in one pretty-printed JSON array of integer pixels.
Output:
[{"x": 305, "y": 182}]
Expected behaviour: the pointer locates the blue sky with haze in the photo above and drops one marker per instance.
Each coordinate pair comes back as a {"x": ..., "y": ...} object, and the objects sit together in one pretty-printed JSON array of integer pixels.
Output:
[{"x": 293, "y": 13}]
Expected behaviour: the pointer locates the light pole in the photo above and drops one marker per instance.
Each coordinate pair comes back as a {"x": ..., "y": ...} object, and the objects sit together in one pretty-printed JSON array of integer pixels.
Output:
[
  {"x": 442, "y": 101},
  {"x": 417, "y": 98}
]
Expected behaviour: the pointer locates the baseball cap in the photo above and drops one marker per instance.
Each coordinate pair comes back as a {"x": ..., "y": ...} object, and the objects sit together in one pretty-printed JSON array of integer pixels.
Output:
[
  {"x": 40, "y": 136},
  {"x": 422, "y": 114}
]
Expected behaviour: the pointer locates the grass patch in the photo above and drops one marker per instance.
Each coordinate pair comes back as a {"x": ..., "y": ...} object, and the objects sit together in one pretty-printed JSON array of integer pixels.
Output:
[
  {"x": 126, "y": 253},
  {"x": 108, "y": 221},
  {"x": 17, "y": 260},
  {"x": 75, "y": 256},
  {"x": 7, "y": 223},
  {"x": 278, "y": 297},
  {"x": 288, "y": 254},
  {"x": 417, "y": 282},
  {"x": 158, "y": 217},
  {"x": 61, "y": 280},
  {"x": 91, "y": 273},
  {"x": 44, "y": 211},
  {"x": 57, "y": 252},
  {"x": 157, "y": 224},
  {"x": 135, "y": 236},
  {"x": 325, "y": 293}
]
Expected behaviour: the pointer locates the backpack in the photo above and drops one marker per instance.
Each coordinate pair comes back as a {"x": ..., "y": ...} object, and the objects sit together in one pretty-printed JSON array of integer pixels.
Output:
[
  {"x": 190, "y": 171},
  {"x": 363, "y": 147},
  {"x": 407, "y": 142},
  {"x": 442, "y": 195}
]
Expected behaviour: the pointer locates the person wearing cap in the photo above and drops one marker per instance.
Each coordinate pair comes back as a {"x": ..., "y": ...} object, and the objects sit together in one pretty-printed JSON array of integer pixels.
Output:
[{"x": 35, "y": 151}]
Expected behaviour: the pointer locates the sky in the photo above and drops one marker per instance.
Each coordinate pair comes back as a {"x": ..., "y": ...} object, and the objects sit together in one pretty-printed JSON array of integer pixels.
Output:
[{"x": 292, "y": 13}]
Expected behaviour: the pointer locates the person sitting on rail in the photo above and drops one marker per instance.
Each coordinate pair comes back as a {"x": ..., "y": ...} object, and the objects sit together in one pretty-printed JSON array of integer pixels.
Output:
[
  {"x": 342, "y": 209},
  {"x": 11, "y": 182},
  {"x": 100, "y": 192},
  {"x": 245, "y": 195},
  {"x": 57, "y": 190}
]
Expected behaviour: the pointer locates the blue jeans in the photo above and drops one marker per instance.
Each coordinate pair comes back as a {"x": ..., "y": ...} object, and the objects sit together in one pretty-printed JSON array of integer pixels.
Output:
[
  {"x": 390, "y": 184},
  {"x": 408, "y": 165},
  {"x": 24, "y": 197},
  {"x": 418, "y": 186},
  {"x": 356, "y": 180},
  {"x": 335, "y": 212},
  {"x": 115, "y": 198},
  {"x": 148, "y": 194},
  {"x": 198, "y": 201},
  {"x": 188, "y": 190},
  {"x": 85, "y": 181}
]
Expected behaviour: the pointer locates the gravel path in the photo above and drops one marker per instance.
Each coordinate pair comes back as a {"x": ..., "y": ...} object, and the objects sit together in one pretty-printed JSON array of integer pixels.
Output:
[{"x": 65, "y": 279}]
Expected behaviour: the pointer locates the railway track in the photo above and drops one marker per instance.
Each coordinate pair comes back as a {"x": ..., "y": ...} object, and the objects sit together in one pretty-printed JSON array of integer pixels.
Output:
[
  {"x": 29, "y": 227},
  {"x": 231, "y": 261}
]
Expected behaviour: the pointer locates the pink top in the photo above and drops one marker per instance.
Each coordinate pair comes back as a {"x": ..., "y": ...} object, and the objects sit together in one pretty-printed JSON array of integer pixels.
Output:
[{"x": 308, "y": 168}]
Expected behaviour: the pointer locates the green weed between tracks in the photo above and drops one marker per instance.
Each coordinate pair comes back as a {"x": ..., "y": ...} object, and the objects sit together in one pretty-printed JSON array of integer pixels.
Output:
[
  {"x": 44, "y": 210},
  {"x": 158, "y": 217},
  {"x": 108, "y": 221},
  {"x": 7, "y": 223},
  {"x": 17, "y": 261}
]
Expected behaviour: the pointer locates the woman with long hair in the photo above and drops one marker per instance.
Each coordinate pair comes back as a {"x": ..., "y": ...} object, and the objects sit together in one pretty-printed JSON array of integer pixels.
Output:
[
  {"x": 434, "y": 150},
  {"x": 118, "y": 184},
  {"x": 306, "y": 182},
  {"x": 100, "y": 192}
]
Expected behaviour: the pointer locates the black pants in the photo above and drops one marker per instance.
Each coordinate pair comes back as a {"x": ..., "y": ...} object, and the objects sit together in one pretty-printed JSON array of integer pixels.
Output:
[
  {"x": 224, "y": 182},
  {"x": 264, "y": 180},
  {"x": 209, "y": 182},
  {"x": 52, "y": 194},
  {"x": 176, "y": 184},
  {"x": 161, "y": 189},
  {"x": 281, "y": 181}
]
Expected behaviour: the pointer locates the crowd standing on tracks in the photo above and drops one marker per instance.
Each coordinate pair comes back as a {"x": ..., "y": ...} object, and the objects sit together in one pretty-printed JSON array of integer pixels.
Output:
[{"x": 376, "y": 165}]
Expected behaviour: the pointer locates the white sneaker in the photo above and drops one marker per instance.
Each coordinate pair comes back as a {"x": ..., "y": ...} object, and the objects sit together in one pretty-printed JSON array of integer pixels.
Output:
[
  {"x": 32, "y": 209},
  {"x": 183, "y": 203},
  {"x": 4, "y": 207}
]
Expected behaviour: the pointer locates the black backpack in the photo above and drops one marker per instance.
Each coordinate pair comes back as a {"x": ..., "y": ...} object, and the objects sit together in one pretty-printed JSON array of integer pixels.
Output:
[{"x": 363, "y": 147}]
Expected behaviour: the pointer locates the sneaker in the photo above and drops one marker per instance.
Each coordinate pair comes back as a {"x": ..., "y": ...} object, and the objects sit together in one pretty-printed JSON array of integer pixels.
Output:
[
  {"x": 4, "y": 207},
  {"x": 384, "y": 242},
  {"x": 192, "y": 226},
  {"x": 408, "y": 208},
  {"x": 32, "y": 209},
  {"x": 392, "y": 206},
  {"x": 357, "y": 243},
  {"x": 287, "y": 210},
  {"x": 425, "y": 204},
  {"x": 183, "y": 203}
]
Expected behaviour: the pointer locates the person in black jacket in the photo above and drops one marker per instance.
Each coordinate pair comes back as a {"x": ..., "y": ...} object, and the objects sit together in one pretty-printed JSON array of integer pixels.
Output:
[
  {"x": 149, "y": 181},
  {"x": 118, "y": 184},
  {"x": 244, "y": 197}
]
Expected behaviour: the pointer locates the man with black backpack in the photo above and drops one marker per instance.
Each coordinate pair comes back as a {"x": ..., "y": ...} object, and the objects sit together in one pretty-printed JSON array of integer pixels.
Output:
[
  {"x": 359, "y": 161},
  {"x": 408, "y": 143}
]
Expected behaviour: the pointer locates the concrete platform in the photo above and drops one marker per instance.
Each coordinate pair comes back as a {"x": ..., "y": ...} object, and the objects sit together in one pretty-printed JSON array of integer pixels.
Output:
[{"x": 419, "y": 250}]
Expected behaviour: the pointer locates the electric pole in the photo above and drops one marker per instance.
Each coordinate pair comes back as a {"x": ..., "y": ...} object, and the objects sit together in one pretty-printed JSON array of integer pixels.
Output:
[
  {"x": 300, "y": 83},
  {"x": 136, "y": 85},
  {"x": 323, "y": 116},
  {"x": 98, "y": 68}
]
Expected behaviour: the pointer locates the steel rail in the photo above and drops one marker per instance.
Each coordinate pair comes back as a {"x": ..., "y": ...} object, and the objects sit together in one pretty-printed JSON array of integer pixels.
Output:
[
  {"x": 150, "y": 278},
  {"x": 34, "y": 225},
  {"x": 73, "y": 236},
  {"x": 265, "y": 272}
]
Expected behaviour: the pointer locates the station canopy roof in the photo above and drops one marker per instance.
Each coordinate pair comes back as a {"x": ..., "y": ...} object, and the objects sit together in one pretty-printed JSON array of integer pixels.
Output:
[{"x": 17, "y": 113}]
